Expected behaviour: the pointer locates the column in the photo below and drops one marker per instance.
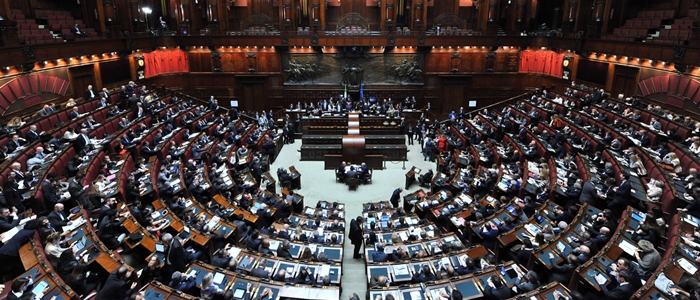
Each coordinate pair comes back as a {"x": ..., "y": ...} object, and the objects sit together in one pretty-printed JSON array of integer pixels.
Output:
[
  {"x": 419, "y": 12},
  {"x": 570, "y": 19},
  {"x": 184, "y": 21},
  {"x": 388, "y": 15},
  {"x": 286, "y": 15},
  {"x": 135, "y": 16},
  {"x": 317, "y": 14},
  {"x": 213, "y": 14}
]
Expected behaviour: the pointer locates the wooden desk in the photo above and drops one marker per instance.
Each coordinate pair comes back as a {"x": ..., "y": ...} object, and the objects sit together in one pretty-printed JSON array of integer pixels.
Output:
[
  {"x": 296, "y": 177},
  {"x": 199, "y": 269},
  {"x": 411, "y": 176}
]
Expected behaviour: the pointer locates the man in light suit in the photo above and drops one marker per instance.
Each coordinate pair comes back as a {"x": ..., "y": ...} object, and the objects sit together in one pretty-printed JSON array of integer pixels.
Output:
[
  {"x": 174, "y": 257},
  {"x": 45, "y": 111}
]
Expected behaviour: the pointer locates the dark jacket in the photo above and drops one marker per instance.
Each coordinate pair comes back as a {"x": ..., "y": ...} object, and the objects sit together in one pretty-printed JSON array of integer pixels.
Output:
[
  {"x": 355, "y": 234},
  {"x": 114, "y": 288},
  {"x": 623, "y": 292},
  {"x": 176, "y": 256}
]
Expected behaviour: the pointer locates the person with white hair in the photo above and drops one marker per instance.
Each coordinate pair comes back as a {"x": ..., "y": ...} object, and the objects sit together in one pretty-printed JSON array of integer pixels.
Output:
[
  {"x": 648, "y": 259},
  {"x": 208, "y": 289}
]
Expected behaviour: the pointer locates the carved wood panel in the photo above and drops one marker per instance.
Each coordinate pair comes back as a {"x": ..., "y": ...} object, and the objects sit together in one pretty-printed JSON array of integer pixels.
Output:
[{"x": 506, "y": 62}]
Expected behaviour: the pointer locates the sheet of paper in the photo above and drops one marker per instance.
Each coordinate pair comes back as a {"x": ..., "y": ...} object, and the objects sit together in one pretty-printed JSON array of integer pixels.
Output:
[
  {"x": 400, "y": 270},
  {"x": 325, "y": 270},
  {"x": 218, "y": 278},
  {"x": 234, "y": 252},
  {"x": 7, "y": 235},
  {"x": 628, "y": 247}
]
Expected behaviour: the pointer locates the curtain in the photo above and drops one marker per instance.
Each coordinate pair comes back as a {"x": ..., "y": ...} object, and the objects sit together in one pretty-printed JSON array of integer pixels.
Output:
[
  {"x": 165, "y": 61},
  {"x": 541, "y": 62}
]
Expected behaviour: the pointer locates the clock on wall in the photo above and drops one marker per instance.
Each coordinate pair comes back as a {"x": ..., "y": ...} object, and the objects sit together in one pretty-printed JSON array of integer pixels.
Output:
[
  {"x": 566, "y": 70},
  {"x": 140, "y": 67}
]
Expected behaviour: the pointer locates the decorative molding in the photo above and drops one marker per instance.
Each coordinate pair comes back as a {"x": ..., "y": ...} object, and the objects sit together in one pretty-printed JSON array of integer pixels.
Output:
[
  {"x": 678, "y": 53},
  {"x": 285, "y": 40},
  {"x": 391, "y": 40},
  {"x": 250, "y": 54},
  {"x": 314, "y": 40},
  {"x": 29, "y": 52}
]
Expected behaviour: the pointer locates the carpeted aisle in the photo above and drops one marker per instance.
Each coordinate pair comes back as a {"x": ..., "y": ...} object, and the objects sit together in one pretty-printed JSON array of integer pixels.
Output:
[{"x": 319, "y": 184}]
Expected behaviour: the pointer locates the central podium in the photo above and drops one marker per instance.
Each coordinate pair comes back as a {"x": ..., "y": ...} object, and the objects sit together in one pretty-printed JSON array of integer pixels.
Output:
[{"x": 353, "y": 138}]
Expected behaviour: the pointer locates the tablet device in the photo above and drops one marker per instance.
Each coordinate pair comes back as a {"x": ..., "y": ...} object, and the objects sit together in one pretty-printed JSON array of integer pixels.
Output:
[{"x": 160, "y": 248}]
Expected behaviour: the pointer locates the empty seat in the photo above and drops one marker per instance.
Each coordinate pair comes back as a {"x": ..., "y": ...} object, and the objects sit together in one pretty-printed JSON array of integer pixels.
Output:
[{"x": 668, "y": 14}]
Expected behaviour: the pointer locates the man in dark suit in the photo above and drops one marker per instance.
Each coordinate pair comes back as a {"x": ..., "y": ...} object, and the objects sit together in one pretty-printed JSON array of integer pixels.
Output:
[
  {"x": 356, "y": 236},
  {"x": 563, "y": 272},
  {"x": 8, "y": 220},
  {"x": 51, "y": 196},
  {"x": 623, "y": 291},
  {"x": 74, "y": 114},
  {"x": 622, "y": 193},
  {"x": 496, "y": 290},
  {"x": 284, "y": 233},
  {"x": 90, "y": 94},
  {"x": 589, "y": 194},
  {"x": 147, "y": 150},
  {"x": 379, "y": 255},
  {"x": 104, "y": 94},
  {"x": 283, "y": 250},
  {"x": 15, "y": 143},
  {"x": 32, "y": 135},
  {"x": 58, "y": 217},
  {"x": 351, "y": 173},
  {"x": 624, "y": 265},
  {"x": 260, "y": 271},
  {"x": 77, "y": 31},
  {"x": 117, "y": 285},
  {"x": 82, "y": 141},
  {"x": 102, "y": 103},
  {"x": 77, "y": 192},
  {"x": 395, "y": 197},
  {"x": 175, "y": 255}
]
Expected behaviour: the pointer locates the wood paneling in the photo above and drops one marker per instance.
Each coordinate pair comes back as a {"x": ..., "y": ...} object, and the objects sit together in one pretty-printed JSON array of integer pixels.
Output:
[{"x": 199, "y": 61}]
